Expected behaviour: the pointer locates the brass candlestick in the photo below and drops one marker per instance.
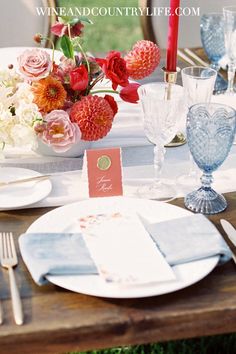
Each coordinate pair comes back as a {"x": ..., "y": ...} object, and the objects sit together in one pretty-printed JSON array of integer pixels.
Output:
[{"x": 170, "y": 78}]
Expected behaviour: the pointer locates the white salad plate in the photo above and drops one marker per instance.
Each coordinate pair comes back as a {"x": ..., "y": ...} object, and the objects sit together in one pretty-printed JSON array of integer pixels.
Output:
[{"x": 20, "y": 195}]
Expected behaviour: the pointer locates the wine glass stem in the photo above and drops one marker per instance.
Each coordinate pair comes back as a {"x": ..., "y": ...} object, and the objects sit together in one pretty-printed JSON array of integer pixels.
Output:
[
  {"x": 159, "y": 153},
  {"x": 231, "y": 73},
  {"x": 206, "y": 180}
]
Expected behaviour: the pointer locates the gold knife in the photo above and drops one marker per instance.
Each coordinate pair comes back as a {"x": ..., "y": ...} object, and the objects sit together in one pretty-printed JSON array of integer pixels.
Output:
[
  {"x": 231, "y": 233},
  {"x": 24, "y": 180}
]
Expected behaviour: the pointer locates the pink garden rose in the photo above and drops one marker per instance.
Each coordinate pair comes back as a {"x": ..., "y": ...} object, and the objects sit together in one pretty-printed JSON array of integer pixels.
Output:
[
  {"x": 34, "y": 64},
  {"x": 58, "y": 131}
]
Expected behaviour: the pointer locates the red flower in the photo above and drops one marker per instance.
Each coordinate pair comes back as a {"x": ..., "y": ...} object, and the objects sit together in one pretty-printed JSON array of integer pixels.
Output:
[
  {"x": 112, "y": 103},
  {"x": 130, "y": 93},
  {"x": 94, "y": 116},
  {"x": 79, "y": 78},
  {"x": 115, "y": 69},
  {"x": 60, "y": 29},
  {"x": 76, "y": 30},
  {"x": 143, "y": 59}
]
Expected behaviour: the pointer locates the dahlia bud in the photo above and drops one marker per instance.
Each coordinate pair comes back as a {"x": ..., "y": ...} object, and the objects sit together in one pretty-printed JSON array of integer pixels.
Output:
[
  {"x": 38, "y": 38},
  {"x": 10, "y": 66}
]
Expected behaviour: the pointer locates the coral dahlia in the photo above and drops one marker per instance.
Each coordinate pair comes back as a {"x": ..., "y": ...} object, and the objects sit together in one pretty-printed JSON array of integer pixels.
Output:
[
  {"x": 49, "y": 94},
  {"x": 143, "y": 59},
  {"x": 94, "y": 116}
]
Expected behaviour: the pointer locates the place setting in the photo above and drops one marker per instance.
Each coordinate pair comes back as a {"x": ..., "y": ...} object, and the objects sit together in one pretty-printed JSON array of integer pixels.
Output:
[{"x": 123, "y": 152}]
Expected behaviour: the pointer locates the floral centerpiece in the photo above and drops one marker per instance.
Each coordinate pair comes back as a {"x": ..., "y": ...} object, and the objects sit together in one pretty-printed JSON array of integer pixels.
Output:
[{"x": 60, "y": 103}]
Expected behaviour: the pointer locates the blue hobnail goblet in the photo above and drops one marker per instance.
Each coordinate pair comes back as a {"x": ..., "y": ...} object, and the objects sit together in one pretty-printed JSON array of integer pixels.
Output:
[
  {"x": 213, "y": 42},
  {"x": 210, "y": 135}
]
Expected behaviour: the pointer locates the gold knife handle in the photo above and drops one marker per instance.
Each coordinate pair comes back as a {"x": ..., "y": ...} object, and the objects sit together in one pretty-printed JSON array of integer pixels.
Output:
[{"x": 24, "y": 180}]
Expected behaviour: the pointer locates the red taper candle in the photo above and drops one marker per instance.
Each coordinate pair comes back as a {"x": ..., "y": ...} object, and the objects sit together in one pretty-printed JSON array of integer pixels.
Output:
[{"x": 172, "y": 44}]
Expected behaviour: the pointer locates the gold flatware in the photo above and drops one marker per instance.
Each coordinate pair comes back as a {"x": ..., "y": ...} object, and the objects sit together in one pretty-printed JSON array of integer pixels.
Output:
[
  {"x": 9, "y": 260},
  {"x": 24, "y": 180},
  {"x": 185, "y": 57},
  {"x": 195, "y": 57}
]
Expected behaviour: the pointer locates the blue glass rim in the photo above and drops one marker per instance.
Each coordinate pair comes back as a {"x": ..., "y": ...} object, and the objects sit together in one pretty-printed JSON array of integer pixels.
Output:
[{"x": 231, "y": 114}]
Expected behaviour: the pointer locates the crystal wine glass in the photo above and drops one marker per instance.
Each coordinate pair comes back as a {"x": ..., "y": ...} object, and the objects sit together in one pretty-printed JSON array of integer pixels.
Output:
[
  {"x": 210, "y": 134},
  {"x": 198, "y": 83},
  {"x": 229, "y": 13},
  {"x": 213, "y": 42},
  {"x": 160, "y": 126}
]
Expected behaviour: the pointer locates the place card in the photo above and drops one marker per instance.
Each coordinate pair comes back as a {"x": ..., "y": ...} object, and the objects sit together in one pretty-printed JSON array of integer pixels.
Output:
[{"x": 104, "y": 172}]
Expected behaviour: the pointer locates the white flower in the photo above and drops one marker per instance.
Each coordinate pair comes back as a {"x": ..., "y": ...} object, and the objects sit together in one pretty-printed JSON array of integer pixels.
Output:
[
  {"x": 28, "y": 113},
  {"x": 5, "y": 97},
  {"x": 18, "y": 113},
  {"x": 5, "y": 113},
  {"x": 5, "y": 131},
  {"x": 9, "y": 78},
  {"x": 23, "y": 93},
  {"x": 23, "y": 135}
]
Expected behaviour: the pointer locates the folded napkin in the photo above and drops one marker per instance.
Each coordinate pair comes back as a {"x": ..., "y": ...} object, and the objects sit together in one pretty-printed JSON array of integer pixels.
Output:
[
  {"x": 180, "y": 240},
  {"x": 54, "y": 254},
  {"x": 188, "y": 239}
]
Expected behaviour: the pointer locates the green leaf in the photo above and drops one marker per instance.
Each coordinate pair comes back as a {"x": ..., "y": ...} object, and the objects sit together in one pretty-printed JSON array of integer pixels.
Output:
[
  {"x": 67, "y": 47},
  {"x": 74, "y": 20},
  {"x": 64, "y": 19},
  {"x": 85, "y": 19}
]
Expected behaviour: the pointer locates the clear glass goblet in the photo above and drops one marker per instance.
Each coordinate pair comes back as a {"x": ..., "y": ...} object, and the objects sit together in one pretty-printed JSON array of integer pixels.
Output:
[
  {"x": 213, "y": 42},
  {"x": 229, "y": 13},
  {"x": 210, "y": 134},
  {"x": 160, "y": 118},
  {"x": 198, "y": 83}
]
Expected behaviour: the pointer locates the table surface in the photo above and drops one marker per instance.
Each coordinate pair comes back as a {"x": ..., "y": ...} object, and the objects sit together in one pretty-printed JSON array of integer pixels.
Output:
[{"x": 57, "y": 320}]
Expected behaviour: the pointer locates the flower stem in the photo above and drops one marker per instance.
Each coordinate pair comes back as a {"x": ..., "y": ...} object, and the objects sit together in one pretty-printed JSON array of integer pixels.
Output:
[
  {"x": 102, "y": 91},
  {"x": 69, "y": 33},
  {"x": 53, "y": 50},
  {"x": 85, "y": 57},
  {"x": 100, "y": 77}
]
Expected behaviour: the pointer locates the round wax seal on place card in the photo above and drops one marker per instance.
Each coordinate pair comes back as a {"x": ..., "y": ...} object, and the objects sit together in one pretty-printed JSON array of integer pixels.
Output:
[{"x": 104, "y": 162}]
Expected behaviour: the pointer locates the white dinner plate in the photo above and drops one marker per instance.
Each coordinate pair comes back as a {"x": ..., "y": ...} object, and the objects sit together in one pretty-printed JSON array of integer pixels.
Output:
[
  {"x": 19, "y": 195},
  {"x": 65, "y": 219}
]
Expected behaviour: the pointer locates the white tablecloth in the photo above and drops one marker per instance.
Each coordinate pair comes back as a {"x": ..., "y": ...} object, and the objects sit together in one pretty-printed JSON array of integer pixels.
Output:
[{"x": 137, "y": 159}]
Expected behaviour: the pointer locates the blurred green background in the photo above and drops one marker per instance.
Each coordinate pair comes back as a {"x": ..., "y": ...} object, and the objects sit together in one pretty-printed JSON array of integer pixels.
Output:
[{"x": 108, "y": 32}]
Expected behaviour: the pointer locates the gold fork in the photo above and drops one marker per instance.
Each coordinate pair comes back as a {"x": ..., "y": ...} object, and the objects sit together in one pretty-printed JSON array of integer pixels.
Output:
[{"x": 9, "y": 260}]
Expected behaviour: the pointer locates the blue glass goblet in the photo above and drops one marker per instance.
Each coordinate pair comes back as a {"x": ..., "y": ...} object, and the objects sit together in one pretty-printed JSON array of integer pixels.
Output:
[
  {"x": 213, "y": 42},
  {"x": 210, "y": 135}
]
